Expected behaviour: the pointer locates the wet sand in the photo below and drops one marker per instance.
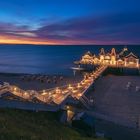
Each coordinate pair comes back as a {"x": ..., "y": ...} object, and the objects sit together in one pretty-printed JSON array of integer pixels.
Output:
[{"x": 36, "y": 84}]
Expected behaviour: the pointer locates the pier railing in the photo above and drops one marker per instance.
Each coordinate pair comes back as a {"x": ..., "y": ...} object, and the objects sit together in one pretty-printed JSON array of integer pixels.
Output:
[{"x": 58, "y": 94}]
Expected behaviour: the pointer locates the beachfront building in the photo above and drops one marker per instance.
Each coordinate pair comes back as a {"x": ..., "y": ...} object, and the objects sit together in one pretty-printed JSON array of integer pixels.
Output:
[
  {"x": 131, "y": 60},
  {"x": 113, "y": 59},
  {"x": 87, "y": 58}
]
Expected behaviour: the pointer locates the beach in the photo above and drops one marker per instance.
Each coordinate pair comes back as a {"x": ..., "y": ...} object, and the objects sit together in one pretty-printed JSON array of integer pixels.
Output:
[{"x": 38, "y": 81}]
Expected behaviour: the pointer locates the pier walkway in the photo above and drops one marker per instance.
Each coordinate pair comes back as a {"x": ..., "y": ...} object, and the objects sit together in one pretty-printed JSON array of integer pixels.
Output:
[{"x": 55, "y": 96}]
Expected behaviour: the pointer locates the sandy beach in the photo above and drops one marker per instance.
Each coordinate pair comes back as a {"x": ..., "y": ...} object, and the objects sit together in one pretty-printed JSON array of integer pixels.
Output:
[{"x": 38, "y": 81}]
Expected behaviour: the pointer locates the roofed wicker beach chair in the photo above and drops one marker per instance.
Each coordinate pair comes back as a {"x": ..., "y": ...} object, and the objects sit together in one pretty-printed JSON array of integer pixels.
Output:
[
  {"x": 49, "y": 81},
  {"x": 137, "y": 89},
  {"x": 22, "y": 77},
  {"x": 54, "y": 77},
  {"x": 61, "y": 78},
  {"x": 55, "y": 81},
  {"x": 33, "y": 77},
  {"x": 128, "y": 85}
]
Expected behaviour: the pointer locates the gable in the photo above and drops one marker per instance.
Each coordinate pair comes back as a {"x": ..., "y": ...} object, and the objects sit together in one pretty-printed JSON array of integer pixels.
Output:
[{"x": 131, "y": 56}]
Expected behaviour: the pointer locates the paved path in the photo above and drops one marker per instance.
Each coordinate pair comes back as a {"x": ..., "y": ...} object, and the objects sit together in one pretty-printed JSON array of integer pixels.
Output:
[{"x": 114, "y": 100}]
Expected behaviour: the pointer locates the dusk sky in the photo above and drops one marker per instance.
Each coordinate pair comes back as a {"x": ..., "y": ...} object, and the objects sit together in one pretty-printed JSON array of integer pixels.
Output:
[{"x": 70, "y": 21}]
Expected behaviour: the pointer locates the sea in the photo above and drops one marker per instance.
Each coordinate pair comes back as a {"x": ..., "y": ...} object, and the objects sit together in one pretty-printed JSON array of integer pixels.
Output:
[{"x": 45, "y": 59}]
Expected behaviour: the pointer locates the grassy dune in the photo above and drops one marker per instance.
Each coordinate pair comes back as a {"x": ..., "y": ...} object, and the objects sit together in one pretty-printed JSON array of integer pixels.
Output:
[{"x": 26, "y": 125}]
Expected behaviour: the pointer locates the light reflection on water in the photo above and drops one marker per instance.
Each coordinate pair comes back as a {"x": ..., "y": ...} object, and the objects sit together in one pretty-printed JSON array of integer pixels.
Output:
[{"x": 45, "y": 59}]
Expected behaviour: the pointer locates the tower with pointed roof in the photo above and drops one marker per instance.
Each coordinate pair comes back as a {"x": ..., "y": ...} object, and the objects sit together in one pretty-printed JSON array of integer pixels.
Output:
[
  {"x": 113, "y": 56},
  {"x": 102, "y": 55}
]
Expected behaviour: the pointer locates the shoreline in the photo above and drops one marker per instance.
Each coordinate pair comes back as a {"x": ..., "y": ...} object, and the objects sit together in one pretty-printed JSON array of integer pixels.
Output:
[
  {"x": 20, "y": 74},
  {"x": 41, "y": 81}
]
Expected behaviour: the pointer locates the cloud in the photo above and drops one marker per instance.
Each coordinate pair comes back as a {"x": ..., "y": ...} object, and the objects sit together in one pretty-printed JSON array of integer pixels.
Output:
[
  {"x": 112, "y": 29},
  {"x": 117, "y": 28},
  {"x": 5, "y": 27},
  {"x": 27, "y": 34}
]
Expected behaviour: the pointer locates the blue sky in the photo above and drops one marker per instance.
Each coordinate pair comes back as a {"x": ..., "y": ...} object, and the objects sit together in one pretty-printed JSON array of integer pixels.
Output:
[{"x": 70, "y": 21}]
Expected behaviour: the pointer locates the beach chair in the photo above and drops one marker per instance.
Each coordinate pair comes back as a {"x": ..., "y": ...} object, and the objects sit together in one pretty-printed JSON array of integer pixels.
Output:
[
  {"x": 61, "y": 78},
  {"x": 137, "y": 88},
  {"x": 128, "y": 85}
]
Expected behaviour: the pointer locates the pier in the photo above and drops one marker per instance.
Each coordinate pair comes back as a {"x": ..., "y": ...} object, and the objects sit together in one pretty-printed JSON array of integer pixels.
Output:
[
  {"x": 123, "y": 59},
  {"x": 56, "y": 96},
  {"x": 61, "y": 95}
]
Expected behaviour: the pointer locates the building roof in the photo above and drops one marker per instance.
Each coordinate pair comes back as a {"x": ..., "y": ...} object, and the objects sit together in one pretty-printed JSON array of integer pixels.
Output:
[
  {"x": 88, "y": 53},
  {"x": 107, "y": 56},
  {"x": 124, "y": 53},
  {"x": 102, "y": 52},
  {"x": 131, "y": 55},
  {"x": 113, "y": 52}
]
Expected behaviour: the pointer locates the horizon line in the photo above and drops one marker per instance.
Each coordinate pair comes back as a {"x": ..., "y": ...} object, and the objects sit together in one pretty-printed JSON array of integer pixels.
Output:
[{"x": 68, "y": 44}]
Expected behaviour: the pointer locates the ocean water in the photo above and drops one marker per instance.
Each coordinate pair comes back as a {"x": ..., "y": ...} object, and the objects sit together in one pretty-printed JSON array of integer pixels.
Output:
[{"x": 46, "y": 59}]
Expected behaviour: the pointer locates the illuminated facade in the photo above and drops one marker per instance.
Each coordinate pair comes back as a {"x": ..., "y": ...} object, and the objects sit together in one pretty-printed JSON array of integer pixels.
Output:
[{"x": 113, "y": 59}]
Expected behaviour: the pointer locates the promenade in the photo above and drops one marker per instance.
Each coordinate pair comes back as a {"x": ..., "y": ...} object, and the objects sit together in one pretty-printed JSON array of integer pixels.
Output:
[
  {"x": 117, "y": 102},
  {"x": 57, "y": 95}
]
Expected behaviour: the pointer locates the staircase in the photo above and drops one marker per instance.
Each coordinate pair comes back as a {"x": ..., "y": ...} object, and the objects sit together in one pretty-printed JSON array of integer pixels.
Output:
[{"x": 85, "y": 101}]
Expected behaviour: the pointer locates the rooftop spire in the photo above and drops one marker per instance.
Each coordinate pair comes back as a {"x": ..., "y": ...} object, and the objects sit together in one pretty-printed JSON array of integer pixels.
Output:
[
  {"x": 125, "y": 48},
  {"x": 102, "y": 52},
  {"x": 113, "y": 52}
]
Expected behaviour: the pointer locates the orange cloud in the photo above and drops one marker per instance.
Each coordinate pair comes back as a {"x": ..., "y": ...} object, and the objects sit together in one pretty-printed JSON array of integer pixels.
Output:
[
  {"x": 11, "y": 39},
  {"x": 22, "y": 40}
]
